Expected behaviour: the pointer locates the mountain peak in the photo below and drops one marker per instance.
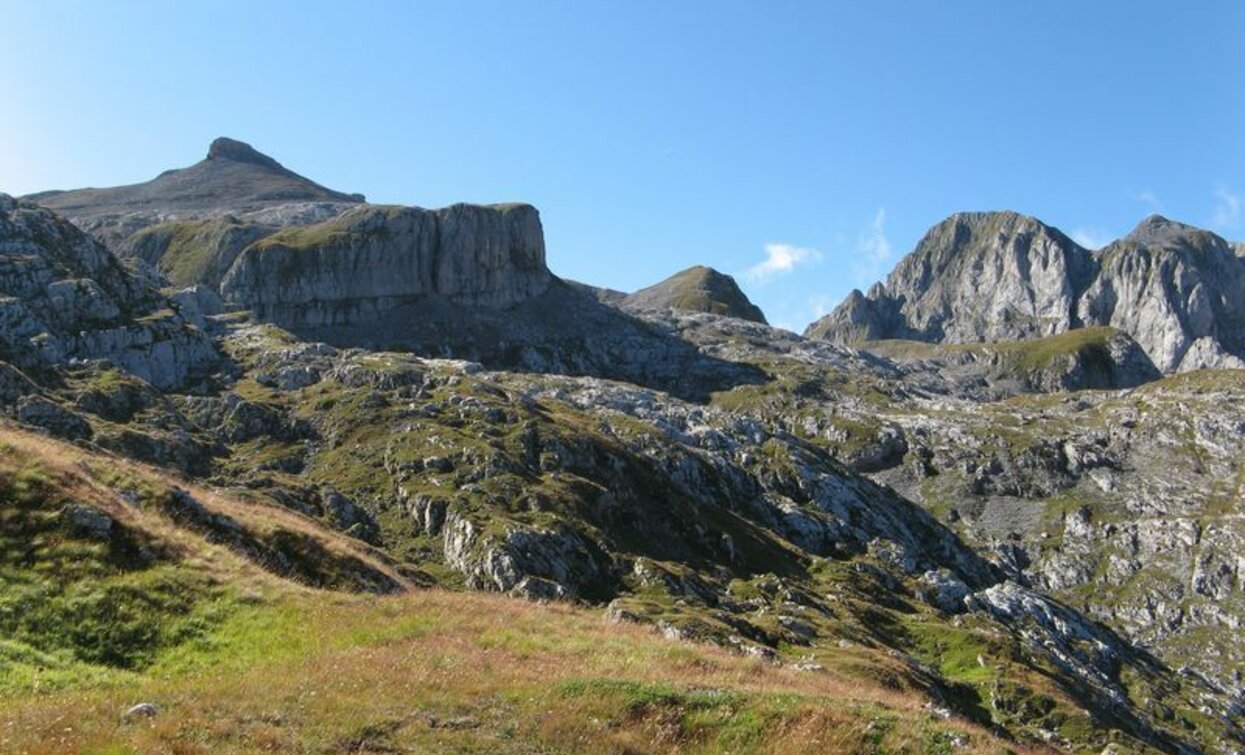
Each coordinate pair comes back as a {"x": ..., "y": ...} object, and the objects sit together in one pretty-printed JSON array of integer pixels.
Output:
[
  {"x": 698, "y": 289},
  {"x": 224, "y": 148},
  {"x": 1156, "y": 229}
]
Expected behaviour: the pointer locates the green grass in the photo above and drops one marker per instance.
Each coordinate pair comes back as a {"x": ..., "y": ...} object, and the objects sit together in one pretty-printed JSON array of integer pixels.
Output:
[
  {"x": 1034, "y": 355},
  {"x": 328, "y": 232}
]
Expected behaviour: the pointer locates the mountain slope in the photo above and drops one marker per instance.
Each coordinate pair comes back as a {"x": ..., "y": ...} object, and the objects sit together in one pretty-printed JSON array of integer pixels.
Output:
[
  {"x": 718, "y": 494},
  {"x": 233, "y": 177},
  {"x": 697, "y": 289},
  {"x": 117, "y": 577}
]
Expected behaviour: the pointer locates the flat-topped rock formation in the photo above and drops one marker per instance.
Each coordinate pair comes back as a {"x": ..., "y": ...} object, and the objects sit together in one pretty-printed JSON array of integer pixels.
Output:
[{"x": 366, "y": 261}]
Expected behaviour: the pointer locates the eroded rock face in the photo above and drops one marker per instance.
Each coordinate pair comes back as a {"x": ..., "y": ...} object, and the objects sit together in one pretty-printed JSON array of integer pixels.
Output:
[
  {"x": 973, "y": 277},
  {"x": 64, "y": 297},
  {"x": 1175, "y": 289},
  {"x": 1171, "y": 285},
  {"x": 368, "y": 261}
]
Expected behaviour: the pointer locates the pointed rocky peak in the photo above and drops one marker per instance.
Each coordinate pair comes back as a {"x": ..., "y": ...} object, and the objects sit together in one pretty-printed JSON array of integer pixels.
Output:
[
  {"x": 1157, "y": 230},
  {"x": 224, "y": 148},
  {"x": 698, "y": 289}
]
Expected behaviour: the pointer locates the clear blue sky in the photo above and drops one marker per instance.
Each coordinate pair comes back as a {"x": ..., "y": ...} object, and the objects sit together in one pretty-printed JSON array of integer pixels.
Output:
[{"x": 824, "y": 137}]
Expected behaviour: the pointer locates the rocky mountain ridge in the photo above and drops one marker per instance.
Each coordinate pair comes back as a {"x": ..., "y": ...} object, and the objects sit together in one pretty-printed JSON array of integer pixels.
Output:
[
  {"x": 946, "y": 516},
  {"x": 1177, "y": 290}
]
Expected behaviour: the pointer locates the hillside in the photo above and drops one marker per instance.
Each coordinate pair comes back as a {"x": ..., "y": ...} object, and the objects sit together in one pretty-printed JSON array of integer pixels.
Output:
[
  {"x": 697, "y": 289},
  {"x": 124, "y": 585},
  {"x": 233, "y": 176},
  {"x": 361, "y": 418}
]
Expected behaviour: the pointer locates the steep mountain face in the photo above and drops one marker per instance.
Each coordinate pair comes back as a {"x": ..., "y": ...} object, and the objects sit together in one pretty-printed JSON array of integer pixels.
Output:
[
  {"x": 973, "y": 277},
  {"x": 1001, "y": 276},
  {"x": 64, "y": 297},
  {"x": 349, "y": 269},
  {"x": 697, "y": 289},
  {"x": 1179, "y": 290}
]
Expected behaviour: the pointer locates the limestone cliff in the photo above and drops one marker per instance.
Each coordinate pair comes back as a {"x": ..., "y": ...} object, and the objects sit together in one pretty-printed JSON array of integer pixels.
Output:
[
  {"x": 1179, "y": 290},
  {"x": 372, "y": 259}
]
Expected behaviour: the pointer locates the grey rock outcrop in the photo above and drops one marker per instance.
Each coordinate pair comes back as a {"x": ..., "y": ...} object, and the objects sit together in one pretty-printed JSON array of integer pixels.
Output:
[
  {"x": 203, "y": 211},
  {"x": 354, "y": 267},
  {"x": 975, "y": 277},
  {"x": 64, "y": 297}
]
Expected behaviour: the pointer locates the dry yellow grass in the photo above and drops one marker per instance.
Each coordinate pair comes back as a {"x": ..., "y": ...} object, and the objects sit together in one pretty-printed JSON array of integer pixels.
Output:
[
  {"x": 434, "y": 671},
  {"x": 294, "y": 669}
]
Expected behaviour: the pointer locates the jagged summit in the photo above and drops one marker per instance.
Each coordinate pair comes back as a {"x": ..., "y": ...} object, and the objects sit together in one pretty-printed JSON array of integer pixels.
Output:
[
  {"x": 224, "y": 148},
  {"x": 697, "y": 289},
  {"x": 1001, "y": 276}
]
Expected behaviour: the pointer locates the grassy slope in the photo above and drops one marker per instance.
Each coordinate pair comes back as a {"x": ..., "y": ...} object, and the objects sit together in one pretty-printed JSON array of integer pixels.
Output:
[
  {"x": 239, "y": 659},
  {"x": 1032, "y": 354}
]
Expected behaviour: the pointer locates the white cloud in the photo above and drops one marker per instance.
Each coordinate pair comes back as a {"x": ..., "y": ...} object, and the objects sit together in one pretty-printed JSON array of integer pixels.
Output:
[
  {"x": 780, "y": 259},
  {"x": 873, "y": 252},
  {"x": 1091, "y": 238},
  {"x": 1227, "y": 215},
  {"x": 1148, "y": 197},
  {"x": 820, "y": 306}
]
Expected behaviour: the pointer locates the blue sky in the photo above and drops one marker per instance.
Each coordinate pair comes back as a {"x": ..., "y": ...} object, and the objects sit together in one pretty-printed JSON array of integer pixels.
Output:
[{"x": 802, "y": 147}]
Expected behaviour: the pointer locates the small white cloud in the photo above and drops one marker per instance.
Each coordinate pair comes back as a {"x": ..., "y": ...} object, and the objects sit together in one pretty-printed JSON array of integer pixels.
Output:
[
  {"x": 780, "y": 259},
  {"x": 873, "y": 251},
  {"x": 1227, "y": 215},
  {"x": 819, "y": 306},
  {"x": 1091, "y": 238},
  {"x": 1148, "y": 197}
]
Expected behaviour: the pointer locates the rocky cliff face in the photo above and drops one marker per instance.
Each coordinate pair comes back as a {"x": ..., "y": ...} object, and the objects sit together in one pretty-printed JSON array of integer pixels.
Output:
[
  {"x": 1002, "y": 276},
  {"x": 354, "y": 267},
  {"x": 697, "y": 289},
  {"x": 1179, "y": 290},
  {"x": 64, "y": 297},
  {"x": 973, "y": 277}
]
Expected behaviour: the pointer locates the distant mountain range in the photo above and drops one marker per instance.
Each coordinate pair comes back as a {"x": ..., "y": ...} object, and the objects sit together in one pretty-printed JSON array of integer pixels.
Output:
[{"x": 1179, "y": 291}]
